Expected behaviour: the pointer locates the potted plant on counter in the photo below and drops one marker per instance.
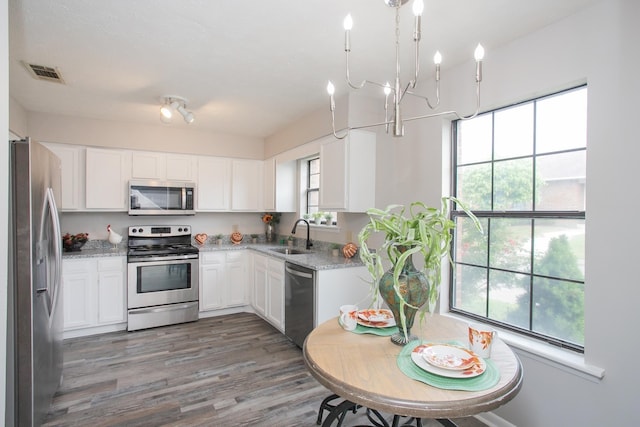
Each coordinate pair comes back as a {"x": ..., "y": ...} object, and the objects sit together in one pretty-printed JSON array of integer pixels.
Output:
[
  {"x": 328, "y": 218},
  {"x": 317, "y": 217},
  {"x": 335, "y": 249},
  {"x": 417, "y": 230}
]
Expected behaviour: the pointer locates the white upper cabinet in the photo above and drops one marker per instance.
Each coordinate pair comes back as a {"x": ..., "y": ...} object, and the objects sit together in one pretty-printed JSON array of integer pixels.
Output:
[
  {"x": 72, "y": 165},
  {"x": 182, "y": 167},
  {"x": 107, "y": 179},
  {"x": 247, "y": 186},
  {"x": 148, "y": 165},
  {"x": 163, "y": 166},
  {"x": 348, "y": 172},
  {"x": 213, "y": 186},
  {"x": 279, "y": 185}
]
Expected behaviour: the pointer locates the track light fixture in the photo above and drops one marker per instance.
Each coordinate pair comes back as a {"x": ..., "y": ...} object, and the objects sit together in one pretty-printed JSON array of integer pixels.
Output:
[{"x": 172, "y": 104}]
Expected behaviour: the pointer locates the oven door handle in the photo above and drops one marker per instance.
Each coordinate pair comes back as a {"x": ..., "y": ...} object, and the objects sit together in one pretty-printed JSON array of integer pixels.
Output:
[
  {"x": 163, "y": 258},
  {"x": 163, "y": 309}
]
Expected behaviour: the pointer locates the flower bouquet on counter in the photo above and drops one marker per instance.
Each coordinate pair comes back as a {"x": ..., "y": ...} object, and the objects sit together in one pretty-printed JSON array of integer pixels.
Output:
[
  {"x": 74, "y": 242},
  {"x": 271, "y": 218}
]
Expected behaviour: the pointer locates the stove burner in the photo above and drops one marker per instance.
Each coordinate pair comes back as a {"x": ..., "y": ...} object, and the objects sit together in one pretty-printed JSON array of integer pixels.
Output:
[{"x": 173, "y": 241}]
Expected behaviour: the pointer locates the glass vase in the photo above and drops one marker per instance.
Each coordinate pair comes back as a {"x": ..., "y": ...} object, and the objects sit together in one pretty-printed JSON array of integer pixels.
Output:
[
  {"x": 414, "y": 289},
  {"x": 270, "y": 233}
]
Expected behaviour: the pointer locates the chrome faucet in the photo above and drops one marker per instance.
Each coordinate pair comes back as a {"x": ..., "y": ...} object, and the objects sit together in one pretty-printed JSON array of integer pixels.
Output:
[{"x": 309, "y": 244}]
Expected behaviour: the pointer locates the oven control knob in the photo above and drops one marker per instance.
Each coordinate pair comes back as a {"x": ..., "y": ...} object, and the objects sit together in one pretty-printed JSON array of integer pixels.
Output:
[
  {"x": 186, "y": 229},
  {"x": 133, "y": 230},
  {"x": 140, "y": 230}
]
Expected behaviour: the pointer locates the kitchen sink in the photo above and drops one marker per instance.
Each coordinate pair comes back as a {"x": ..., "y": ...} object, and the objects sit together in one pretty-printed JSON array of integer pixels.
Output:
[{"x": 290, "y": 251}]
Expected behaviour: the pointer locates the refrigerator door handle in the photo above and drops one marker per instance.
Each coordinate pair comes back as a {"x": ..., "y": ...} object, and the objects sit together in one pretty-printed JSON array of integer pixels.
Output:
[{"x": 50, "y": 212}]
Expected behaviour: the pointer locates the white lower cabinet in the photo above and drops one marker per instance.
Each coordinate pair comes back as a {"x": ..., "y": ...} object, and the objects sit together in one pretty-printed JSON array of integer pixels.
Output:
[
  {"x": 223, "y": 278},
  {"x": 340, "y": 286},
  {"x": 77, "y": 293},
  {"x": 94, "y": 294},
  {"x": 259, "y": 299},
  {"x": 268, "y": 289},
  {"x": 275, "y": 293}
]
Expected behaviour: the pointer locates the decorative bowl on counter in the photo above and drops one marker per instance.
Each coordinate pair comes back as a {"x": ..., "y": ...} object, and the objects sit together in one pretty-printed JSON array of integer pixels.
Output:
[
  {"x": 236, "y": 237},
  {"x": 74, "y": 242}
]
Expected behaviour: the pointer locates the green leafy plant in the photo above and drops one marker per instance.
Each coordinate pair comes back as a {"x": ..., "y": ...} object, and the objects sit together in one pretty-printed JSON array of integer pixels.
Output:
[{"x": 417, "y": 230}]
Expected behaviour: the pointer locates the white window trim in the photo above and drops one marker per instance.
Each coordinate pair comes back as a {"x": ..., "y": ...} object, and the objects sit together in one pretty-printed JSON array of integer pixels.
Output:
[
  {"x": 560, "y": 358},
  {"x": 566, "y": 360}
]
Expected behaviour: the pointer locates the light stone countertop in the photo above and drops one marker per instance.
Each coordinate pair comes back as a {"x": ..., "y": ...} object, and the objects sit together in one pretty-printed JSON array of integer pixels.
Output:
[
  {"x": 320, "y": 259},
  {"x": 96, "y": 252}
]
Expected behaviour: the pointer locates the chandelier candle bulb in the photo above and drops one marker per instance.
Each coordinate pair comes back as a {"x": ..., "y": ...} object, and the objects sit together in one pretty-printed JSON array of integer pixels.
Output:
[
  {"x": 418, "y": 7},
  {"x": 331, "y": 90},
  {"x": 437, "y": 59},
  {"x": 479, "y": 55},
  {"x": 348, "y": 25}
]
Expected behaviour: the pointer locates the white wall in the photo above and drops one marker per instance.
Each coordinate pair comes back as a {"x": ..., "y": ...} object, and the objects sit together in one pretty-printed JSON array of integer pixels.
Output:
[
  {"x": 115, "y": 134},
  {"x": 17, "y": 118},
  {"x": 597, "y": 46},
  {"x": 4, "y": 203},
  {"x": 210, "y": 223}
]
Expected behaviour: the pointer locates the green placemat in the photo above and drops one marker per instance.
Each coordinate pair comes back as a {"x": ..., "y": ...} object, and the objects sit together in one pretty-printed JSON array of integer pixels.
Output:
[
  {"x": 383, "y": 332},
  {"x": 486, "y": 380}
]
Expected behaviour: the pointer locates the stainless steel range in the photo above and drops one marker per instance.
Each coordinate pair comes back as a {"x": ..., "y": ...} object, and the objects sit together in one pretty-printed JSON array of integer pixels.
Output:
[{"x": 162, "y": 276}]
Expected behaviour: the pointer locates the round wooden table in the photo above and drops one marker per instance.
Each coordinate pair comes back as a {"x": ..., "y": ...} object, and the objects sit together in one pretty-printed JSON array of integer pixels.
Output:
[{"x": 362, "y": 369}]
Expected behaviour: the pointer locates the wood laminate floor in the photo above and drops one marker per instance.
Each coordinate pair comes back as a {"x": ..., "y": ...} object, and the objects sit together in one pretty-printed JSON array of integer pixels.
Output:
[{"x": 233, "y": 370}]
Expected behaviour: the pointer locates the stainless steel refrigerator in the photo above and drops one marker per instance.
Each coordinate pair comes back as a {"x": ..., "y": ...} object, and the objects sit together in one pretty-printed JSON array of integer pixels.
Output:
[{"x": 35, "y": 317}]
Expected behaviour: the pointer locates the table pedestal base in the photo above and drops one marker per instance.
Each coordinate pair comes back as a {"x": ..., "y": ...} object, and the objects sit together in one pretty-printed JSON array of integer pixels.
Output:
[{"x": 338, "y": 411}]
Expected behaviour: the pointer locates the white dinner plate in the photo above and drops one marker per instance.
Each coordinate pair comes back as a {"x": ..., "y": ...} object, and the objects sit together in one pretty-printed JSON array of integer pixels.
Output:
[
  {"x": 476, "y": 369},
  {"x": 448, "y": 356},
  {"x": 375, "y": 318}
]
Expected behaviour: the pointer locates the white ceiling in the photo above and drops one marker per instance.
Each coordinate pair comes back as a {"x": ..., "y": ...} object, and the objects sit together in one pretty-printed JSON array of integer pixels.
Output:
[{"x": 247, "y": 67}]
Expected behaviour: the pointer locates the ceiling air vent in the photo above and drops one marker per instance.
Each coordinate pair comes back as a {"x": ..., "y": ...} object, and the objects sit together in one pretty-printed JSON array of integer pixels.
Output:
[{"x": 41, "y": 72}]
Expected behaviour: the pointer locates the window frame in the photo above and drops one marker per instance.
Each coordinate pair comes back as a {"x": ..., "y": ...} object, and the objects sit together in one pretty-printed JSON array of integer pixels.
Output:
[
  {"x": 308, "y": 188},
  {"x": 532, "y": 215}
]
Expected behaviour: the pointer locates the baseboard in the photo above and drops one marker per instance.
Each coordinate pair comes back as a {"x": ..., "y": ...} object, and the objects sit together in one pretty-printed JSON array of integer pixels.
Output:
[
  {"x": 492, "y": 420},
  {"x": 95, "y": 330}
]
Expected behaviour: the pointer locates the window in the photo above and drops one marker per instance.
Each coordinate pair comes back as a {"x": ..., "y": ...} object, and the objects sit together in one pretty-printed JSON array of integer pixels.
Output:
[
  {"x": 313, "y": 184},
  {"x": 522, "y": 171},
  {"x": 312, "y": 192}
]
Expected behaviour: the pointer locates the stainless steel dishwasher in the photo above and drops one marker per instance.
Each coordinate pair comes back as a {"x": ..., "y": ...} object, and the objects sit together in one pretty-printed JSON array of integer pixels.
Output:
[{"x": 299, "y": 302}]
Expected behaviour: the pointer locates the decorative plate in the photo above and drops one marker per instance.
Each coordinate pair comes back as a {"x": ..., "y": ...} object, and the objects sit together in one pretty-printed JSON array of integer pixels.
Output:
[
  {"x": 448, "y": 356},
  {"x": 473, "y": 371},
  {"x": 236, "y": 237},
  {"x": 349, "y": 250},
  {"x": 376, "y": 318},
  {"x": 201, "y": 238}
]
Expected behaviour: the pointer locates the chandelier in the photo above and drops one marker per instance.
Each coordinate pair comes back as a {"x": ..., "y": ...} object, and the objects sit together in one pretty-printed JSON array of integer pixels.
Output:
[{"x": 398, "y": 91}]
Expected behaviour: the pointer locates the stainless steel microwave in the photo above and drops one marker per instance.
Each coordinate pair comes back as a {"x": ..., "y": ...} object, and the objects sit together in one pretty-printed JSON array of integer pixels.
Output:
[{"x": 161, "y": 197}]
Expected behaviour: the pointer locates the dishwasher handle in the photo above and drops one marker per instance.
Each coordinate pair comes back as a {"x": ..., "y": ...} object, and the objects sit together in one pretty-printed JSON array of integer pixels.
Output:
[{"x": 298, "y": 273}]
